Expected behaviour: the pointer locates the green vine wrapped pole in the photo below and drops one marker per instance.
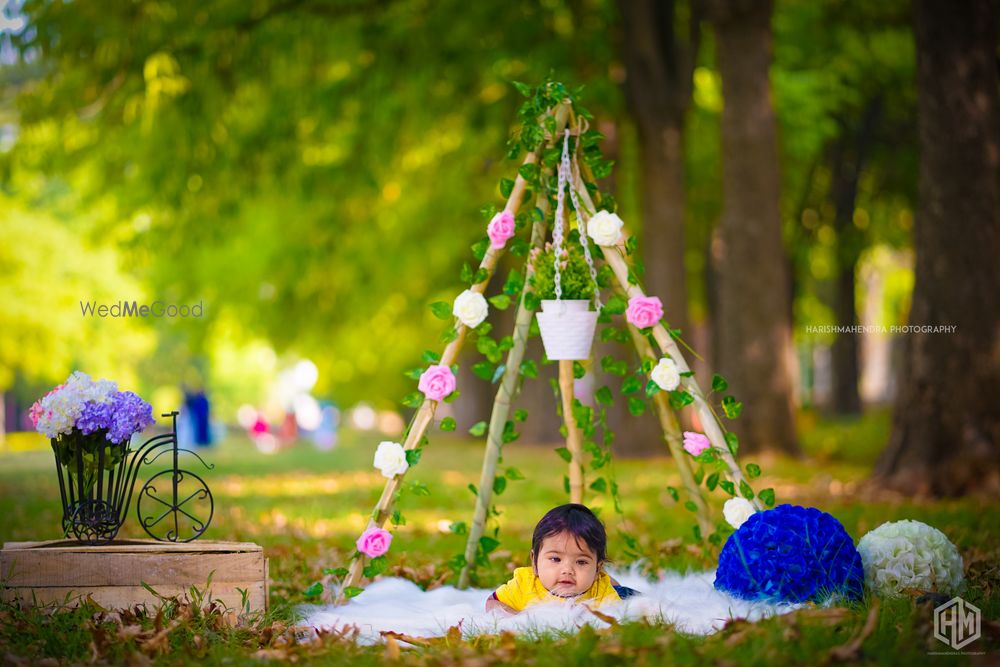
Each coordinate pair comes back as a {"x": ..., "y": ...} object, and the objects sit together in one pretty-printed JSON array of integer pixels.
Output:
[
  {"x": 673, "y": 437},
  {"x": 615, "y": 258},
  {"x": 574, "y": 438},
  {"x": 508, "y": 385},
  {"x": 425, "y": 414}
]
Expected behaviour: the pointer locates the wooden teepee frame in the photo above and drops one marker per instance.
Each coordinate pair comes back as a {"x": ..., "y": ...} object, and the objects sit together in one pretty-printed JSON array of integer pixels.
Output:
[{"x": 565, "y": 118}]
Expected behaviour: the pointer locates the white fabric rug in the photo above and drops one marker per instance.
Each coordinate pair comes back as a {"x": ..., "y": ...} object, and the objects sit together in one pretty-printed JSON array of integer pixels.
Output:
[{"x": 686, "y": 601}]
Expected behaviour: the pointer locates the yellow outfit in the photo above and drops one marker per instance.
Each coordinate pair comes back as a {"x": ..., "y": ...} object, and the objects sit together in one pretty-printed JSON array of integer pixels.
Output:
[{"x": 525, "y": 588}]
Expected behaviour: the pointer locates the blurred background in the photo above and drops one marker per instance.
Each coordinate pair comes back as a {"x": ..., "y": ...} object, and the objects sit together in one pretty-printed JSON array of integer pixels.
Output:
[{"x": 303, "y": 178}]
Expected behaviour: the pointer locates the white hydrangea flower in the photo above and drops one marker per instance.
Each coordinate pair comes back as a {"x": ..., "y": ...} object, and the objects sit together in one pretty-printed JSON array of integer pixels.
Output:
[
  {"x": 390, "y": 459},
  {"x": 470, "y": 308},
  {"x": 605, "y": 228},
  {"x": 905, "y": 556},
  {"x": 666, "y": 375},
  {"x": 737, "y": 511}
]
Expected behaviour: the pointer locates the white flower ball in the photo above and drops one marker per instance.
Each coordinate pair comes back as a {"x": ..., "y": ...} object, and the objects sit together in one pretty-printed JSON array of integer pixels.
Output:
[
  {"x": 666, "y": 375},
  {"x": 908, "y": 556},
  {"x": 390, "y": 459},
  {"x": 605, "y": 228},
  {"x": 737, "y": 511},
  {"x": 470, "y": 308}
]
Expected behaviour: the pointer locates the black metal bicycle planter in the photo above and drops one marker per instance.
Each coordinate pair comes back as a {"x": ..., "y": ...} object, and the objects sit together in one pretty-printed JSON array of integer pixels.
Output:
[{"x": 97, "y": 493}]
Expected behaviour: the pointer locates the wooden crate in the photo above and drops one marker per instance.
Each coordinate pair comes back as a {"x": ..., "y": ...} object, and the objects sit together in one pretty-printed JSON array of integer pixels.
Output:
[{"x": 44, "y": 573}]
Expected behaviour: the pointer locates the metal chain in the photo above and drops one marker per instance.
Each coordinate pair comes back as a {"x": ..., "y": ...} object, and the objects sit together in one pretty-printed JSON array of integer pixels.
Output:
[
  {"x": 557, "y": 229},
  {"x": 567, "y": 174}
]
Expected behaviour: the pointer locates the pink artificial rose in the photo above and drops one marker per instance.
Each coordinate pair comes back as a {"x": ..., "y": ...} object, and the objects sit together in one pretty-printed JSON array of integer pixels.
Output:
[
  {"x": 644, "y": 311},
  {"x": 696, "y": 443},
  {"x": 500, "y": 229},
  {"x": 437, "y": 382},
  {"x": 374, "y": 542}
]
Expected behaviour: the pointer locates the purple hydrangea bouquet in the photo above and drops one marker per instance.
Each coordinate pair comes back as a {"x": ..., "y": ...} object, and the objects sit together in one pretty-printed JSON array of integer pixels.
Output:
[{"x": 93, "y": 419}]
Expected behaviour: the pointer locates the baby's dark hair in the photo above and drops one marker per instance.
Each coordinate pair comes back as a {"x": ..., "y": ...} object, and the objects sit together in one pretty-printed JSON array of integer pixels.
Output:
[{"x": 579, "y": 522}]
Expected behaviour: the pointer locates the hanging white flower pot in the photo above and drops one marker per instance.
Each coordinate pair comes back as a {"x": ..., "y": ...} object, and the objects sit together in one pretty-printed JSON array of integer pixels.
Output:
[{"x": 567, "y": 328}]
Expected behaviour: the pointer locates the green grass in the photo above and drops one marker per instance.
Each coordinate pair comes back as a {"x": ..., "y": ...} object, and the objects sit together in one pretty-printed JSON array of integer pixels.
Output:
[{"x": 307, "y": 507}]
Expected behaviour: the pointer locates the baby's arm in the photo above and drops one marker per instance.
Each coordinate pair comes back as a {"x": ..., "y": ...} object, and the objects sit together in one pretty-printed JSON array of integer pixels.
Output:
[{"x": 493, "y": 604}]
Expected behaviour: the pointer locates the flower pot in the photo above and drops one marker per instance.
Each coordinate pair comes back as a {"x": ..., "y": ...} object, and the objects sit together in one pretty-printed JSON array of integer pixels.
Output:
[
  {"x": 567, "y": 328},
  {"x": 93, "y": 481}
]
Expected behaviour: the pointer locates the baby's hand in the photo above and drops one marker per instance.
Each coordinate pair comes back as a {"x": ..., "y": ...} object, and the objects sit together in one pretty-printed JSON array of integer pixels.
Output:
[{"x": 492, "y": 604}]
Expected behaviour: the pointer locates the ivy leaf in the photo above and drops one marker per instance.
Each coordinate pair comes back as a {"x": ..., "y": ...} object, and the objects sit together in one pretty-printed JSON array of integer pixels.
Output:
[
  {"x": 514, "y": 474},
  {"x": 731, "y": 407},
  {"x": 413, "y": 400},
  {"x": 733, "y": 442},
  {"x": 673, "y": 493},
  {"x": 447, "y": 424},
  {"x": 413, "y": 455},
  {"x": 728, "y": 487},
  {"x": 578, "y": 370},
  {"x": 636, "y": 406},
  {"x": 564, "y": 454},
  {"x": 353, "y": 592},
  {"x": 335, "y": 571},
  {"x": 480, "y": 248},
  {"x": 767, "y": 497},
  {"x": 652, "y": 389},
  {"x": 419, "y": 489},
  {"x": 376, "y": 566},
  {"x": 712, "y": 481},
  {"x": 529, "y": 368},
  {"x": 500, "y": 301},
  {"x": 478, "y": 429},
  {"x": 473, "y": 489},
  {"x": 753, "y": 470},
  {"x": 459, "y": 528},
  {"x": 528, "y": 171},
  {"x": 397, "y": 518},
  {"x": 631, "y": 384},
  {"x": 680, "y": 398},
  {"x": 519, "y": 247},
  {"x": 441, "y": 310},
  {"x": 745, "y": 490},
  {"x": 483, "y": 369},
  {"x": 690, "y": 506},
  {"x": 600, "y": 485},
  {"x": 499, "y": 484},
  {"x": 616, "y": 305},
  {"x": 430, "y": 357},
  {"x": 604, "y": 396},
  {"x": 719, "y": 383},
  {"x": 488, "y": 544},
  {"x": 506, "y": 187},
  {"x": 313, "y": 591},
  {"x": 520, "y": 415}
]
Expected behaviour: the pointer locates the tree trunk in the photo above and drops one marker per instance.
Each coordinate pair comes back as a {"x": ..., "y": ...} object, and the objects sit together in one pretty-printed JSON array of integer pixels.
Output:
[
  {"x": 754, "y": 323},
  {"x": 946, "y": 424},
  {"x": 848, "y": 163},
  {"x": 659, "y": 67}
]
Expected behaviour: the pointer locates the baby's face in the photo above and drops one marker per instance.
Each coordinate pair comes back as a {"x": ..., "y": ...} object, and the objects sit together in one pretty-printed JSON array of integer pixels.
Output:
[{"x": 566, "y": 566}]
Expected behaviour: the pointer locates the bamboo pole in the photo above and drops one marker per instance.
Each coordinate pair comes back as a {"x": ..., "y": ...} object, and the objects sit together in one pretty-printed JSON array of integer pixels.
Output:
[
  {"x": 425, "y": 414},
  {"x": 672, "y": 436},
  {"x": 508, "y": 384},
  {"x": 615, "y": 258},
  {"x": 574, "y": 438}
]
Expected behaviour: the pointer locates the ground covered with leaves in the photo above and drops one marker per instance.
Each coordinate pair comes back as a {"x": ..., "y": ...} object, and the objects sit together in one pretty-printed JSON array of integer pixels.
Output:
[{"x": 306, "y": 508}]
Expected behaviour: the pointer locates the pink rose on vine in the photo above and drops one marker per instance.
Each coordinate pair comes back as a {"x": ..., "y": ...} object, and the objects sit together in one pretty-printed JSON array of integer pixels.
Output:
[
  {"x": 696, "y": 443},
  {"x": 437, "y": 382},
  {"x": 500, "y": 229},
  {"x": 374, "y": 542},
  {"x": 644, "y": 311}
]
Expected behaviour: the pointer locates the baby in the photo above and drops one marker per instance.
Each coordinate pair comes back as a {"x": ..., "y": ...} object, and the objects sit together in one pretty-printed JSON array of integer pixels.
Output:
[{"x": 568, "y": 552}]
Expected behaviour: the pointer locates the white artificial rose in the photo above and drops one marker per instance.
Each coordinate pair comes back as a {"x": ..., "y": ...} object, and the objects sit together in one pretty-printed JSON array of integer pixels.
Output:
[
  {"x": 605, "y": 228},
  {"x": 906, "y": 556},
  {"x": 737, "y": 510},
  {"x": 666, "y": 375},
  {"x": 390, "y": 459},
  {"x": 470, "y": 308}
]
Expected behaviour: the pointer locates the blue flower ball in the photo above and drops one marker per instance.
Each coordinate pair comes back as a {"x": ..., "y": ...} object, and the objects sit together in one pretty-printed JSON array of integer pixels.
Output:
[{"x": 790, "y": 554}]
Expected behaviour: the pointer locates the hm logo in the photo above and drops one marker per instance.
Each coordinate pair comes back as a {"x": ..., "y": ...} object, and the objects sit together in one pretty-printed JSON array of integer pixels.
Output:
[{"x": 957, "y": 623}]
